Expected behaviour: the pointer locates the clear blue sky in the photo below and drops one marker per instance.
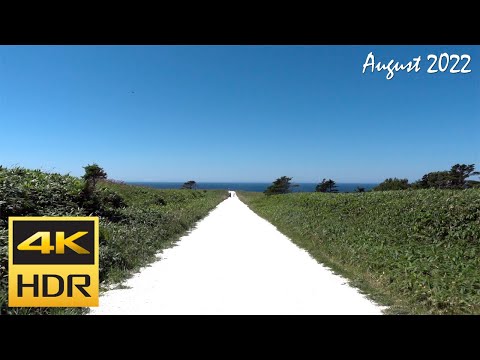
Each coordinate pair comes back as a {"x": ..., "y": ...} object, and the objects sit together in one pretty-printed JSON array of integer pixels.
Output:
[{"x": 235, "y": 113}]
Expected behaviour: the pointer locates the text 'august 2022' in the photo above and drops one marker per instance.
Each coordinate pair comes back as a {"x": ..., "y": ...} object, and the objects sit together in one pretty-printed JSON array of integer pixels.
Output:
[{"x": 442, "y": 63}]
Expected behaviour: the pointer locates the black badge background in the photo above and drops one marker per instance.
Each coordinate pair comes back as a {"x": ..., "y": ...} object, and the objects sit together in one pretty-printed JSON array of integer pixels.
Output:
[{"x": 22, "y": 230}]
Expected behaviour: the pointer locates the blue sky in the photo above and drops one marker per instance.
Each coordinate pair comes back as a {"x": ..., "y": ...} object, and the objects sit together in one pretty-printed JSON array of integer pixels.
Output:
[{"x": 236, "y": 113}]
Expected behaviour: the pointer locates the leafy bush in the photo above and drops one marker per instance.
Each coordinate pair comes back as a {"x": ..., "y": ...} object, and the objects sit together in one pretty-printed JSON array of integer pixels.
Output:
[
  {"x": 102, "y": 202},
  {"x": 34, "y": 193},
  {"x": 392, "y": 184},
  {"x": 135, "y": 222},
  {"x": 415, "y": 250}
]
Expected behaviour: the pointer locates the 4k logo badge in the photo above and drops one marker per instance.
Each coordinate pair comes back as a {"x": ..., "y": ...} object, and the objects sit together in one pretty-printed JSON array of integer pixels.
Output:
[{"x": 53, "y": 261}]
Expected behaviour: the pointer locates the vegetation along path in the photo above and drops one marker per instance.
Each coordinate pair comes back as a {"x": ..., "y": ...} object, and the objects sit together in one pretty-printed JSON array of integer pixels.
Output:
[{"x": 235, "y": 262}]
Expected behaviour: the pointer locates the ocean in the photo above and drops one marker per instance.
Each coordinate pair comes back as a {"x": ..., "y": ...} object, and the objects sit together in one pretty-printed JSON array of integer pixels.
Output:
[{"x": 256, "y": 187}]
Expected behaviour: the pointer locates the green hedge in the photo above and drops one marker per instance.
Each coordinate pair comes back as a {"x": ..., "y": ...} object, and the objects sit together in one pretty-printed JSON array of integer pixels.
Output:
[
  {"x": 135, "y": 222},
  {"x": 417, "y": 250}
]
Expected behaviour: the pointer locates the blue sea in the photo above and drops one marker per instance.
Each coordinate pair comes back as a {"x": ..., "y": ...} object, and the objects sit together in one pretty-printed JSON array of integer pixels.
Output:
[{"x": 256, "y": 187}]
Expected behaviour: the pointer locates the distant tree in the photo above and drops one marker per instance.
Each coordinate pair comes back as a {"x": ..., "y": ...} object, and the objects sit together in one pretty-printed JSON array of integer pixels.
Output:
[
  {"x": 326, "y": 186},
  {"x": 90, "y": 198},
  {"x": 280, "y": 186},
  {"x": 436, "y": 180},
  {"x": 359, "y": 189},
  {"x": 460, "y": 174},
  {"x": 189, "y": 185},
  {"x": 392, "y": 184},
  {"x": 93, "y": 173},
  {"x": 455, "y": 178}
]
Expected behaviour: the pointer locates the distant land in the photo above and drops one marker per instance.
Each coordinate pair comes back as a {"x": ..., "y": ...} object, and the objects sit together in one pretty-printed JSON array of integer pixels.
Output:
[{"x": 256, "y": 187}]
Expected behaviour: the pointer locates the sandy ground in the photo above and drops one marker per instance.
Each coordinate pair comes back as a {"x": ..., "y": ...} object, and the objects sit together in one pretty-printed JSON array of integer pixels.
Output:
[{"x": 235, "y": 262}]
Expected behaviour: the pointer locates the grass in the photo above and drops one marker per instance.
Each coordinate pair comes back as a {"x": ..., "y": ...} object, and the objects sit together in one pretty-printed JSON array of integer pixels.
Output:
[
  {"x": 153, "y": 220},
  {"x": 143, "y": 222},
  {"x": 416, "y": 251}
]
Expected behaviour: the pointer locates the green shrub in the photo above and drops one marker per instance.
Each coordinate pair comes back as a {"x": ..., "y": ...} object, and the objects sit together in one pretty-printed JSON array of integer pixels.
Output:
[
  {"x": 34, "y": 193},
  {"x": 417, "y": 250},
  {"x": 135, "y": 222},
  {"x": 392, "y": 184}
]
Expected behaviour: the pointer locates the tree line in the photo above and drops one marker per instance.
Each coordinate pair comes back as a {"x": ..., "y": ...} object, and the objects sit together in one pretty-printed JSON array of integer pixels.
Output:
[{"x": 455, "y": 178}]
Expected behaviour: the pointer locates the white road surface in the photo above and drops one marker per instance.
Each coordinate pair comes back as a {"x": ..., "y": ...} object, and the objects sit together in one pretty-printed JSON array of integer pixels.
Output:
[{"x": 235, "y": 262}]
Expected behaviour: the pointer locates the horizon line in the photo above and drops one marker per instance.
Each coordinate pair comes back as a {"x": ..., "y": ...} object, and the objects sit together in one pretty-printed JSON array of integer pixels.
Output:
[{"x": 241, "y": 182}]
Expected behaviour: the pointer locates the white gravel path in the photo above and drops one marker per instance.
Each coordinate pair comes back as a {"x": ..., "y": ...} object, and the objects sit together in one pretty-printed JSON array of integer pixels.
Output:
[{"x": 235, "y": 262}]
